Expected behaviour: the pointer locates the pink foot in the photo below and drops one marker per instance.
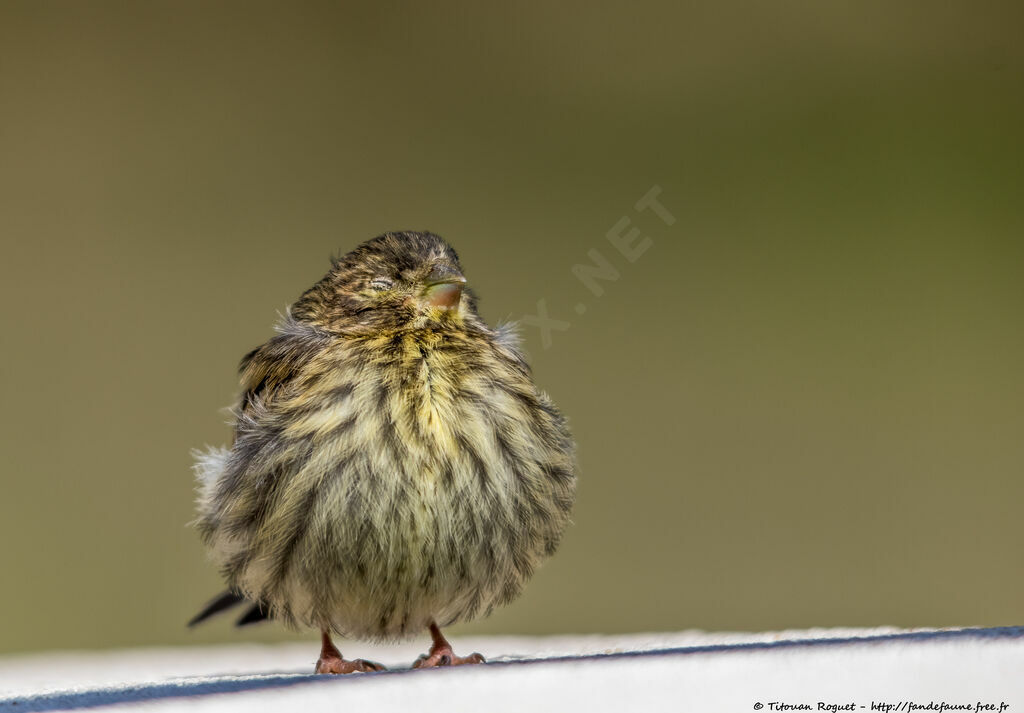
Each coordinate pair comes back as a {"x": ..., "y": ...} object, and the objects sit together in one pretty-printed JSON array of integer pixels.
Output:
[
  {"x": 331, "y": 661},
  {"x": 441, "y": 653}
]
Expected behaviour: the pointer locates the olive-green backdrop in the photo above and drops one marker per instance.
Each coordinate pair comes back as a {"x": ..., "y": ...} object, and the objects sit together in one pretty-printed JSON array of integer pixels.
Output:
[{"x": 801, "y": 404}]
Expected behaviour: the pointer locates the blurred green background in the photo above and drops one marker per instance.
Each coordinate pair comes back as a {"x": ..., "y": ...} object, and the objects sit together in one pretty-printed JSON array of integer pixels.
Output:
[{"x": 801, "y": 407}]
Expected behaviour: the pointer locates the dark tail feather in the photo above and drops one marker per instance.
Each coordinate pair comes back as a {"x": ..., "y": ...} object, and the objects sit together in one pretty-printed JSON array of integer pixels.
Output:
[
  {"x": 254, "y": 615},
  {"x": 224, "y": 601}
]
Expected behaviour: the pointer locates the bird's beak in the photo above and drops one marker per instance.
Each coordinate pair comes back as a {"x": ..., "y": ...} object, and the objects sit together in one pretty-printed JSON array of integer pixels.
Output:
[{"x": 444, "y": 287}]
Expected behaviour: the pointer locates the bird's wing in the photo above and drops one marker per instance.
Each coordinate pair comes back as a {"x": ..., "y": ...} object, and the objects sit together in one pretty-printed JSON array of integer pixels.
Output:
[
  {"x": 264, "y": 373},
  {"x": 265, "y": 370}
]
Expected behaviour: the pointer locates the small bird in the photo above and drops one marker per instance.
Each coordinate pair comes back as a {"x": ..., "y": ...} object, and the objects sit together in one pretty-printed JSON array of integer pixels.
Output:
[{"x": 394, "y": 468}]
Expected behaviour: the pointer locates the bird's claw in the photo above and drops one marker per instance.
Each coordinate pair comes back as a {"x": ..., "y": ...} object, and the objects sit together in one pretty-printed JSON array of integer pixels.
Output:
[
  {"x": 340, "y": 665},
  {"x": 446, "y": 657}
]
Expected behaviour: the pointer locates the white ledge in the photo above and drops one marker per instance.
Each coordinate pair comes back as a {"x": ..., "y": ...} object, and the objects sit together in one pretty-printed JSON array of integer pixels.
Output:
[{"x": 905, "y": 669}]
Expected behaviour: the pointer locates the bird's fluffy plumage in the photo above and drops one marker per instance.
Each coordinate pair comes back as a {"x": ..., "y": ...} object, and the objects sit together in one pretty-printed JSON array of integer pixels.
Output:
[{"x": 393, "y": 463}]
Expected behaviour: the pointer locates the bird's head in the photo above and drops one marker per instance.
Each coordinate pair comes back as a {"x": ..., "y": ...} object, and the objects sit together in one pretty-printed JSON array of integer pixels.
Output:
[{"x": 396, "y": 280}]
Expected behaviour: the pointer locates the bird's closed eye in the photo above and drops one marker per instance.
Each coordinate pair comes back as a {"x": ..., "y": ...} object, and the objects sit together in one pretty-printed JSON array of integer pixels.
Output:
[{"x": 380, "y": 284}]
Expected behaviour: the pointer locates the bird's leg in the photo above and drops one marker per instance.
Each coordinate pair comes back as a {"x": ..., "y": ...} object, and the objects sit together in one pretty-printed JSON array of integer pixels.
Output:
[
  {"x": 441, "y": 653},
  {"x": 331, "y": 661}
]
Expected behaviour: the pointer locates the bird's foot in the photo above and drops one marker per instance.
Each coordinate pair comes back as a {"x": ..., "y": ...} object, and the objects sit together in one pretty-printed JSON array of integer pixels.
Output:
[
  {"x": 441, "y": 653},
  {"x": 336, "y": 664},
  {"x": 330, "y": 660},
  {"x": 444, "y": 656}
]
